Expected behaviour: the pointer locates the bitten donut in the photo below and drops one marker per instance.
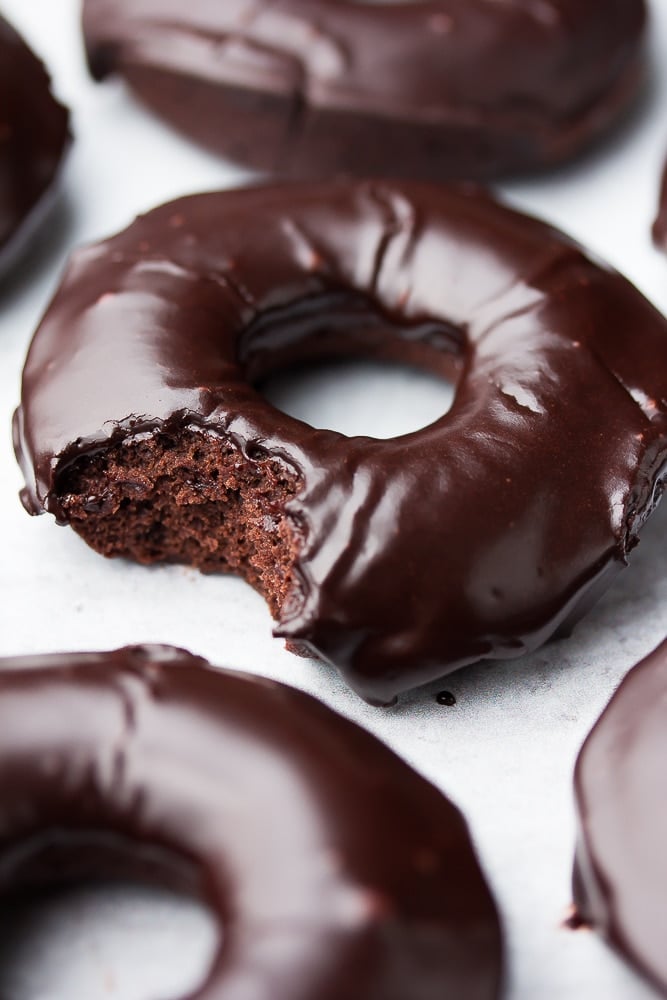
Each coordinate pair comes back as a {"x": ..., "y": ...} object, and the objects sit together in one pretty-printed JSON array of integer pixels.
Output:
[
  {"x": 34, "y": 137},
  {"x": 620, "y": 874},
  {"x": 397, "y": 560},
  {"x": 334, "y": 870},
  {"x": 433, "y": 90},
  {"x": 660, "y": 225}
]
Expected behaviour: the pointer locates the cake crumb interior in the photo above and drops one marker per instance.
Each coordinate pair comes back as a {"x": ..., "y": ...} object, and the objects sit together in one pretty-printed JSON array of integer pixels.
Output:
[{"x": 191, "y": 497}]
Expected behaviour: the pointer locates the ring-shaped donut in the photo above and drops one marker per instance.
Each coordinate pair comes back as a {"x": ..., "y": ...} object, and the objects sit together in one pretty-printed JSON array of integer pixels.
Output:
[
  {"x": 333, "y": 869},
  {"x": 34, "y": 136},
  {"x": 397, "y": 560},
  {"x": 435, "y": 89},
  {"x": 620, "y": 872}
]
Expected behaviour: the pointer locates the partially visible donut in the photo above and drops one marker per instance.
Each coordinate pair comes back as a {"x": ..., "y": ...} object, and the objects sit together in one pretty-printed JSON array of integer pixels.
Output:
[
  {"x": 34, "y": 136},
  {"x": 436, "y": 89},
  {"x": 660, "y": 224},
  {"x": 620, "y": 874},
  {"x": 396, "y": 560},
  {"x": 334, "y": 869}
]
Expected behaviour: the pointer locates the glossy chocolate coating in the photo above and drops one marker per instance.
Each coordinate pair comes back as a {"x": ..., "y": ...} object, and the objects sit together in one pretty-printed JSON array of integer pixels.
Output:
[
  {"x": 439, "y": 89},
  {"x": 620, "y": 875},
  {"x": 475, "y": 537},
  {"x": 335, "y": 870},
  {"x": 34, "y": 136},
  {"x": 660, "y": 224}
]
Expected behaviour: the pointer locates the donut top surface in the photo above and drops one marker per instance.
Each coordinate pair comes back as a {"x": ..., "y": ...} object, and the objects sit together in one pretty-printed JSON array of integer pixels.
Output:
[
  {"x": 333, "y": 868},
  {"x": 34, "y": 135},
  {"x": 546, "y": 75},
  {"x": 620, "y": 879},
  {"x": 475, "y": 537}
]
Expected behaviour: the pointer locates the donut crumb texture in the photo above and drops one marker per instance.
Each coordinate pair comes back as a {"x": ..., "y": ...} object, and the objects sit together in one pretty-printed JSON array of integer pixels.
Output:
[{"x": 192, "y": 498}]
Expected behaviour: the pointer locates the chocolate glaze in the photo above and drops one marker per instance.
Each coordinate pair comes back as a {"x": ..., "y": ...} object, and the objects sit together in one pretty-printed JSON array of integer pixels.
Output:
[
  {"x": 334, "y": 869},
  {"x": 447, "y": 88},
  {"x": 620, "y": 873},
  {"x": 34, "y": 136},
  {"x": 476, "y": 537},
  {"x": 660, "y": 224}
]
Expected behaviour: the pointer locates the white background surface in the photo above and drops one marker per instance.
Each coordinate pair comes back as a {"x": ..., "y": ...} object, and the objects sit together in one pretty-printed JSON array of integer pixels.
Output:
[{"x": 504, "y": 753}]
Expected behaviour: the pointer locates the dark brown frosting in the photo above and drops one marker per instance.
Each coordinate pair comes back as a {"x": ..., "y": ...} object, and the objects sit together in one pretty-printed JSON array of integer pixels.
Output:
[
  {"x": 334, "y": 869},
  {"x": 446, "y": 88},
  {"x": 620, "y": 877},
  {"x": 478, "y": 536},
  {"x": 34, "y": 135},
  {"x": 660, "y": 224}
]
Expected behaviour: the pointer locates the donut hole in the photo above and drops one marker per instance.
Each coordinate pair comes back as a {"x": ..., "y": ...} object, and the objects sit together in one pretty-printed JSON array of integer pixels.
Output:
[
  {"x": 378, "y": 399},
  {"x": 339, "y": 363},
  {"x": 129, "y": 942},
  {"x": 116, "y": 926}
]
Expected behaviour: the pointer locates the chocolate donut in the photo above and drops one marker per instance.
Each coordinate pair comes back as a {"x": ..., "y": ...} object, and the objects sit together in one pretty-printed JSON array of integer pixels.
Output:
[
  {"x": 396, "y": 560},
  {"x": 660, "y": 224},
  {"x": 620, "y": 873},
  {"x": 333, "y": 868},
  {"x": 436, "y": 89},
  {"x": 34, "y": 136}
]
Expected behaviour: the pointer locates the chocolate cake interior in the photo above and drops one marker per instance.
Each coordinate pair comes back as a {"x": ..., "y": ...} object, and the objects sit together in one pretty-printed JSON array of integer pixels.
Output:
[
  {"x": 190, "y": 495},
  {"x": 192, "y": 498}
]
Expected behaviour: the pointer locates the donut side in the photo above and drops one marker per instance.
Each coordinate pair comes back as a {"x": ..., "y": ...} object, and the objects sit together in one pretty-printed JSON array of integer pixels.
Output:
[
  {"x": 660, "y": 224},
  {"x": 620, "y": 871},
  {"x": 314, "y": 89},
  {"x": 34, "y": 137},
  {"x": 146, "y": 762}
]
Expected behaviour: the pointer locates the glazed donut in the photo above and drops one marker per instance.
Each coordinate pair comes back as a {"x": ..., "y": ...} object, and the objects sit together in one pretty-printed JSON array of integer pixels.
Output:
[
  {"x": 620, "y": 873},
  {"x": 433, "y": 90},
  {"x": 396, "y": 560},
  {"x": 660, "y": 224},
  {"x": 363, "y": 884},
  {"x": 34, "y": 137}
]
